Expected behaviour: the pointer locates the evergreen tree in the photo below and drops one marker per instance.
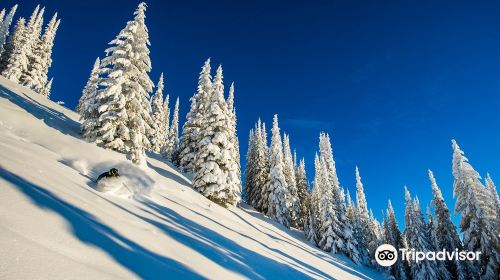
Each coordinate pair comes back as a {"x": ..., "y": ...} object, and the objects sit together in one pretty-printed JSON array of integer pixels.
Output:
[
  {"x": 393, "y": 236},
  {"x": 476, "y": 221},
  {"x": 86, "y": 102},
  {"x": 14, "y": 58},
  {"x": 213, "y": 159},
  {"x": 234, "y": 177},
  {"x": 446, "y": 233},
  {"x": 191, "y": 128},
  {"x": 29, "y": 76},
  {"x": 157, "y": 138},
  {"x": 442, "y": 272},
  {"x": 277, "y": 185},
  {"x": 262, "y": 170},
  {"x": 418, "y": 239},
  {"x": 47, "y": 89},
  {"x": 250, "y": 169},
  {"x": 303, "y": 192},
  {"x": 365, "y": 230},
  {"x": 293, "y": 203},
  {"x": 123, "y": 114},
  {"x": 172, "y": 145},
  {"x": 5, "y": 27},
  {"x": 494, "y": 203}
]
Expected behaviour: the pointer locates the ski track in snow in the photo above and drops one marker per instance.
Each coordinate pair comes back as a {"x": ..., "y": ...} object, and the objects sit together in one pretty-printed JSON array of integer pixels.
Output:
[{"x": 54, "y": 224}]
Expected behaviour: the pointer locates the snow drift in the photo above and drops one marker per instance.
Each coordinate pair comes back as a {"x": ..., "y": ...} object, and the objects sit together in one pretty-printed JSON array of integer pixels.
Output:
[{"x": 55, "y": 223}]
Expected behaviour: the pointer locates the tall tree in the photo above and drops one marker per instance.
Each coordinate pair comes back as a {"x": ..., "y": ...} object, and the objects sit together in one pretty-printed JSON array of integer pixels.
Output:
[
  {"x": 213, "y": 158},
  {"x": 366, "y": 235},
  {"x": 86, "y": 102},
  {"x": 5, "y": 27},
  {"x": 293, "y": 203},
  {"x": 277, "y": 186},
  {"x": 476, "y": 221},
  {"x": 393, "y": 236},
  {"x": 157, "y": 138},
  {"x": 191, "y": 129},
  {"x": 14, "y": 58},
  {"x": 446, "y": 233},
  {"x": 494, "y": 203},
  {"x": 418, "y": 239},
  {"x": 124, "y": 109},
  {"x": 303, "y": 192},
  {"x": 234, "y": 176},
  {"x": 172, "y": 144}
]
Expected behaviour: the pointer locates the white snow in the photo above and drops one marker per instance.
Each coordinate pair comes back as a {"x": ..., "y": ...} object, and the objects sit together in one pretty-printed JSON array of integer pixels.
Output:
[{"x": 55, "y": 224}]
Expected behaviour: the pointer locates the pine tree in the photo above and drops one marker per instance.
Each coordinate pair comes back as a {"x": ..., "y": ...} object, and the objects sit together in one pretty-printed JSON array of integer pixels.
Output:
[
  {"x": 277, "y": 185},
  {"x": 47, "y": 89},
  {"x": 250, "y": 169},
  {"x": 366, "y": 237},
  {"x": 213, "y": 157},
  {"x": 235, "y": 167},
  {"x": 5, "y": 27},
  {"x": 293, "y": 203},
  {"x": 29, "y": 76},
  {"x": 123, "y": 102},
  {"x": 393, "y": 236},
  {"x": 191, "y": 128},
  {"x": 14, "y": 58},
  {"x": 446, "y": 233},
  {"x": 157, "y": 138},
  {"x": 172, "y": 145},
  {"x": 442, "y": 272},
  {"x": 494, "y": 203},
  {"x": 86, "y": 102},
  {"x": 303, "y": 192},
  {"x": 418, "y": 239},
  {"x": 262, "y": 169},
  {"x": 476, "y": 221}
]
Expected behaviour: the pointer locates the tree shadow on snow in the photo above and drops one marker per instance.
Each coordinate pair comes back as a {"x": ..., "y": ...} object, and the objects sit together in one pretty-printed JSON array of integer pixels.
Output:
[
  {"x": 88, "y": 229},
  {"x": 50, "y": 117}
]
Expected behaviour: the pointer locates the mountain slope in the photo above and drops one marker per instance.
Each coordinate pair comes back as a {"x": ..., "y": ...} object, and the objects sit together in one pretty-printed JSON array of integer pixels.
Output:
[{"x": 54, "y": 224}]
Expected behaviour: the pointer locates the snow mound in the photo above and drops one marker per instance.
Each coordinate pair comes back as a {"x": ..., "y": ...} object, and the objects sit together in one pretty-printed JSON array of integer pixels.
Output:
[{"x": 57, "y": 223}]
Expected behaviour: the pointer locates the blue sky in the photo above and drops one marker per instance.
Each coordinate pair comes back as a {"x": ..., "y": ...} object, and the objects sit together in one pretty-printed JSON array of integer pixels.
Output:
[{"x": 392, "y": 82}]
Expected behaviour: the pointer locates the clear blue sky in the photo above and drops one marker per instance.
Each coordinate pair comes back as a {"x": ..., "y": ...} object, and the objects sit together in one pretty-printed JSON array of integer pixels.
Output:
[{"x": 391, "y": 82}]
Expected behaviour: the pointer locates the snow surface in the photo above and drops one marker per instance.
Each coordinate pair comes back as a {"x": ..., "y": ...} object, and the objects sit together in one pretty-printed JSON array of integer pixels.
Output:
[{"x": 55, "y": 224}]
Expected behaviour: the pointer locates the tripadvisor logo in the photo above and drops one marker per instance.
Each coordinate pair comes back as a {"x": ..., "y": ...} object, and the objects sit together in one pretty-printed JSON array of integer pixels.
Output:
[{"x": 387, "y": 255}]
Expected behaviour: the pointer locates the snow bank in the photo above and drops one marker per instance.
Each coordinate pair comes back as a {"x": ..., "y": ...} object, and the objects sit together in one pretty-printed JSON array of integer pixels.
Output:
[{"x": 56, "y": 224}]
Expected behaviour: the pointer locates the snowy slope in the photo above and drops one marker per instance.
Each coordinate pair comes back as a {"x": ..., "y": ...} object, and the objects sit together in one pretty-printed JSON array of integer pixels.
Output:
[{"x": 55, "y": 225}]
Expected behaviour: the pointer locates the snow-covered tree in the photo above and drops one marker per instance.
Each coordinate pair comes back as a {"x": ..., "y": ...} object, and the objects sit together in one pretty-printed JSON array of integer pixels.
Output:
[
  {"x": 234, "y": 176},
  {"x": 250, "y": 169},
  {"x": 477, "y": 219},
  {"x": 47, "y": 89},
  {"x": 158, "y": 135},
  {"x": 442, "y": 272},
  {"x": 293, "y": 203},
  {"x": 303, "y": 192},
  {"x": 277, "y": 185},
  {"x": 257, "y": 172},
  {"x": 446, "y": 233},
  {"x": 494, "y": 203},
  {"x": 14, "y": 58},
  {"x": 213, "y": 159},
  {"x": 191, "y": 129},
  {"x": 5, "y": 23},
  {"x": 417, "y": 237},
  {"x": 335, "y": 231},
  {"x": 123, "y": 113},
  {"x": 29, "y": 76},
  {"x": 172, "y": 144},
  {"x": 393, "y": 236},
  {"x": 366, "y": 236},
  {"x": 86, "y": 102}
]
